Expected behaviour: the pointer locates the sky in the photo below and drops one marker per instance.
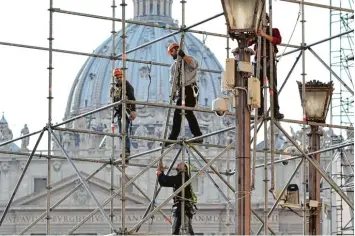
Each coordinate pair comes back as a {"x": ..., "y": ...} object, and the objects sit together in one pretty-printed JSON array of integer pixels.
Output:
[{"x": 24, "y": 75}]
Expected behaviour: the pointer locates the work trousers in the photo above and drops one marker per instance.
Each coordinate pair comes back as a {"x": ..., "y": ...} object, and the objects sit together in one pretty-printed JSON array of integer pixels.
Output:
[
  {"x": 275, "y": 91},
  {"x": 176, "y": 221},
  {"x": 190, "y": 101},
  {"x": 128, "y": 141}
]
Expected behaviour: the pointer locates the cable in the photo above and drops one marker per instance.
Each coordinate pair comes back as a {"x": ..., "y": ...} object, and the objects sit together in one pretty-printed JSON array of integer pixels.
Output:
[
  {"x": 298, "y": 17},
  {"x": 150, "y": 81}
]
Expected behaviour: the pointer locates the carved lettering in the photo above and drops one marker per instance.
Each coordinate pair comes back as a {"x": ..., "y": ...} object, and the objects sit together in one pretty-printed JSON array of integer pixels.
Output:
[{"x": 117, "y": 218}]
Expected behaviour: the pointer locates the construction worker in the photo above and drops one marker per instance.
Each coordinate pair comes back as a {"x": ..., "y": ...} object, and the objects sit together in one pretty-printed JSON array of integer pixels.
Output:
[
  {"x": 275, "y": 39},
  {"x": 130, "y": 109},
  {"x": 191, "y": 90},
  {"x": 175, "y": 182}
]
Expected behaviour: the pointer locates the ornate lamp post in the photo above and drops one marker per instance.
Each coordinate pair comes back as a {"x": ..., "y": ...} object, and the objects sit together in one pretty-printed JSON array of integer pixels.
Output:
[
  {"x": 243, "y": 18},
  {"x": 317, "y": 99}
]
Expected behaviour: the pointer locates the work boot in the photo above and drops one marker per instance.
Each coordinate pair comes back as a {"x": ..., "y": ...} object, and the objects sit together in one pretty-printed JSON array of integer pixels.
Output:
[
  {"x": 128, "y": 153},
  {"x": 278, "y": 115},
  {"x": 260, "y": 113}
]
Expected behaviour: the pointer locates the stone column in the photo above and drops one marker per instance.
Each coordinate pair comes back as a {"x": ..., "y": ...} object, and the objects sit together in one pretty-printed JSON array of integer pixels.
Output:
[
  {"x": 147, "y": 8},
  {"x": 135, "y": 8},
  {"x": 155, "y": 7},
  {"x": 162, "y": 7},
  {"x": 140, "y": 13},
  {"x": 167, "y": 6}
]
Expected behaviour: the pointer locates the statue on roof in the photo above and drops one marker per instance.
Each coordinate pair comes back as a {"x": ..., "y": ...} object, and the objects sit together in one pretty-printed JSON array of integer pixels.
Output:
[{"x": 25, "y": 141}]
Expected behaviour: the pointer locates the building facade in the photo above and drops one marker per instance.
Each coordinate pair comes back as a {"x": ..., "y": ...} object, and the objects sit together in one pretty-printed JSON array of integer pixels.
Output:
[{"x": 90, "y": 90}]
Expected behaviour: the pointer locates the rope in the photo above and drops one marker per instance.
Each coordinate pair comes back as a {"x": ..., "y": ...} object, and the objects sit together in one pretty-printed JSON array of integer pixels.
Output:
[
  {"x": 204, "y": 38},
  {"x": 150, "y": 81},
  {"x": 294, "y": 28}
]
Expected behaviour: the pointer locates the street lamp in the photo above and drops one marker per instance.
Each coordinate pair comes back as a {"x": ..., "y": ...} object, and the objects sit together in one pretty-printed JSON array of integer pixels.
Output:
[
  {"x": 243, "y": 19},
  {"x": 243, "y": 16},
  {"x": 316, "y": 101}
]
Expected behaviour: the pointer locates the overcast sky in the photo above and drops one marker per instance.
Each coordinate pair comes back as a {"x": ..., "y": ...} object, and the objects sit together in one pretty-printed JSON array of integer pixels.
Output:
[{"x": 24, "y": 74}]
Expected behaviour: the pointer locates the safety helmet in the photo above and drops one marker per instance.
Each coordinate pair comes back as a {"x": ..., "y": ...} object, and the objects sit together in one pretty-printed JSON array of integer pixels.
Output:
[
  {"x": 117, "y": 72},
  {"x": 171, "y": 46},
  {"x": 187, "y": 167}
]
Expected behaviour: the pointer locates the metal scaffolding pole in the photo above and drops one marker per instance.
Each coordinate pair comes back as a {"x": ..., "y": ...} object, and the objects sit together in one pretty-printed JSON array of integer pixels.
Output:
[
  {"x": 86, "y": 114},
  {"x": 179, "y": 189},
  {"x": 113, "y": 57},
  {"x": 61, "y": 200},
  {"x": 319, "y": 5},
  {"x": 49, "y": 124},
  {"x": 215, "y": 171},
  {"x": 290, "y": 72},
  {"x": 328, "y": 67},
  {"x": 228, "y": 200},
  {"x": 272, "y": 91},
  {"x": 97, "y": 55},
  {"x": 119, "y": 191},
  {"x": 318, "y": 124},
  {"x": 86, "y": 186},
  {"x": 281, "y": 194},
  {"x": 146, "y": 23},
  {"x": 19, "y": 138},
  {"x": 193, "y": 139},
  {"x": 304, "y": 147},
  {"x": 183, "y": 121},
  {"x": 316, "y": 43},
  {"x": 157, "y": 190},
  {"x": 124, "y": 119},
  {"x": 21, "y": 177},
  {"x": 319, "y": 169},
  {"x": 265, "y": 111},
  {"x": 142, "y": 192},
  {"x": 113, "y": 84}
]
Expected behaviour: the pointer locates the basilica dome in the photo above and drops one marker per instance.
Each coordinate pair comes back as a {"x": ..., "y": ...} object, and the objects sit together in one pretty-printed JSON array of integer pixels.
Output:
[{"x": 91, "y": 87}]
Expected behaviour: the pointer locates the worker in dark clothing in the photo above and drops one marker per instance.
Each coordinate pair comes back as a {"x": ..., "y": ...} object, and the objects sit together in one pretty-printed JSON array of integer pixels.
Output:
[
  {"x": 275, "y": 39},
  {"x": 191, "y": 91},
  {"x": 190, "y": 198},
  {"x": 130, "y": 108}
]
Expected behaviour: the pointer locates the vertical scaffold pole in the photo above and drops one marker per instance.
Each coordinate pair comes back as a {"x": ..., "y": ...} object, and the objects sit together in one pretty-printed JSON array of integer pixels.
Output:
[
  {"x": 123, "y": 121},
  {"x": 304, "y": 145},
  {"x": 113, "y": 84},
  {"x": 50, "y": 97},
  {"x": 183, "y": 133},
  {"x": 265, "y": 83}
]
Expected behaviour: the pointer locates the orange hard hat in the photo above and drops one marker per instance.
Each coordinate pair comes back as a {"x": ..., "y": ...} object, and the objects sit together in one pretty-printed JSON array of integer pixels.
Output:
[
  {"x": 117, "y": 72},
  {"x": 171, "y": 46}
]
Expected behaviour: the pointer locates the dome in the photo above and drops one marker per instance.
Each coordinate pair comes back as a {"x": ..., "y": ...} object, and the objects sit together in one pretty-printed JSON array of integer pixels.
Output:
[{"x": 91, "y": 87}]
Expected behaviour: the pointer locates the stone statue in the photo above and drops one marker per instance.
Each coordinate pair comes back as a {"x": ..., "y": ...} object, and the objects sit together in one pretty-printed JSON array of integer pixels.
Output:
[
  {"x": 25, "y": 141},
  {"x": 158, "y": 133},
  {"x": 108, "y": 139},
  {"x": 141, "y": 131}
]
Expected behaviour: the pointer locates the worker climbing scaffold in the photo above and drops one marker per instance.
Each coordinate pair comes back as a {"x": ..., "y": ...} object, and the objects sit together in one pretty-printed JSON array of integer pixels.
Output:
[
  {"x": 130, "y": 110},
  {"x": 191, "y": 90}
]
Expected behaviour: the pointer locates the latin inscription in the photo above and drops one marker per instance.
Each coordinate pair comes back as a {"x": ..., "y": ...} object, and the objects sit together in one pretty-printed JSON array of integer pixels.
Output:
[{"x": 60, "y": 219}]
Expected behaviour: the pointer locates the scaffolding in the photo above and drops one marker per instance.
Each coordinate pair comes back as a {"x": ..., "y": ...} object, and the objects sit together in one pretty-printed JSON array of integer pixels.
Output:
[
  {"x": 342, "y": 110},
  {"x": 186, "y": 145}
]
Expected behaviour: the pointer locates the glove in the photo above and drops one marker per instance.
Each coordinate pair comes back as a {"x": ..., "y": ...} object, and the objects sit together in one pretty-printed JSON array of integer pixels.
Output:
[
  {"x": 181, "y": 53},
  {"x": 112, "y": 90}
]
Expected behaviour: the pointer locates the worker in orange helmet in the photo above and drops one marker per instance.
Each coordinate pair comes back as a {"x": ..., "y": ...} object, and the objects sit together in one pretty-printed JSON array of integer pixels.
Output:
[
  {"x": 130, "y": 109},
  {"x": 191, "y": 91}
]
